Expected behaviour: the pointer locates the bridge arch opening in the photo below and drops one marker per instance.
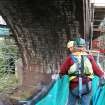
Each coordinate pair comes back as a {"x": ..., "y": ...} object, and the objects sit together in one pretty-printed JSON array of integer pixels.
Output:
[{"x": 9, "y": 58}]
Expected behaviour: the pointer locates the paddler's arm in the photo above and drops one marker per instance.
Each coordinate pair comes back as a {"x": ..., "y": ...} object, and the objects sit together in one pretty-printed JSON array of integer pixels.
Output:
[
  {"x": 96, "y": 68},
  {"x": 66, "y": 65}
]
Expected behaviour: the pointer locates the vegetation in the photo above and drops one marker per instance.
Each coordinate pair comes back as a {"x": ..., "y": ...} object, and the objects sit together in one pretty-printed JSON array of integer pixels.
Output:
[
  {"x": 8, "y": 82},
  {"x": 8, "y": 56}
]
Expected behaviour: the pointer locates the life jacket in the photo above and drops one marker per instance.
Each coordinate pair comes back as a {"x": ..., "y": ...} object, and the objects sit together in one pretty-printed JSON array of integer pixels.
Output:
[{"x": 73, "y": 70}]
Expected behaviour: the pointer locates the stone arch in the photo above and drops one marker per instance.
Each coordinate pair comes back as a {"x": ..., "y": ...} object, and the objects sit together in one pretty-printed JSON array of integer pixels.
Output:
[
  {"x": 41, "y": 36},
  {"x": 38, "y": 55}
]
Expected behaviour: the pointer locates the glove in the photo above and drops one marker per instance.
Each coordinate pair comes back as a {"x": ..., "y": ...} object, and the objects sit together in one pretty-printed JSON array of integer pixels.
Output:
[
  {"x": 102, "y": 80},
  {"x": 60, "y": 75},
  {"x": 55, "y": 76},
  {"x": 103, "y": 76}
]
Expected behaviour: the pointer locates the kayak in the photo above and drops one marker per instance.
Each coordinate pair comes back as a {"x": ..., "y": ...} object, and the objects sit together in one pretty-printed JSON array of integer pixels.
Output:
[{"x": 58, "y": 92}]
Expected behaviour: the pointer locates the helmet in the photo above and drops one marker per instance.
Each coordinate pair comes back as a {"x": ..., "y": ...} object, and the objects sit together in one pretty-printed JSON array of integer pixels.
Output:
[
  {"x": 80, "y": 42},
  {"x": 70, "y": 44}
]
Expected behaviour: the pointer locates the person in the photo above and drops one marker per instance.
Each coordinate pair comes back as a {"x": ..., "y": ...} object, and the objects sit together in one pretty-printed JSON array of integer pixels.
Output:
[
  {"x": 80, "y": 67},
  {"x": 70, "y": 46}
]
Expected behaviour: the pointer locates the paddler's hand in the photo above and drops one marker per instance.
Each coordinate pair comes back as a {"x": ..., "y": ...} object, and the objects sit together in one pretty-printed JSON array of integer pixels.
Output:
[
  {"x": 103, "y": 76},
  {"x": 55, "y": 76}
]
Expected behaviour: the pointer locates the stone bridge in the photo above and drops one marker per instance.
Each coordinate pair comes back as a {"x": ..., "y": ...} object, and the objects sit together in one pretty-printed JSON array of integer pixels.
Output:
[{"x": 41, "y": 29}]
